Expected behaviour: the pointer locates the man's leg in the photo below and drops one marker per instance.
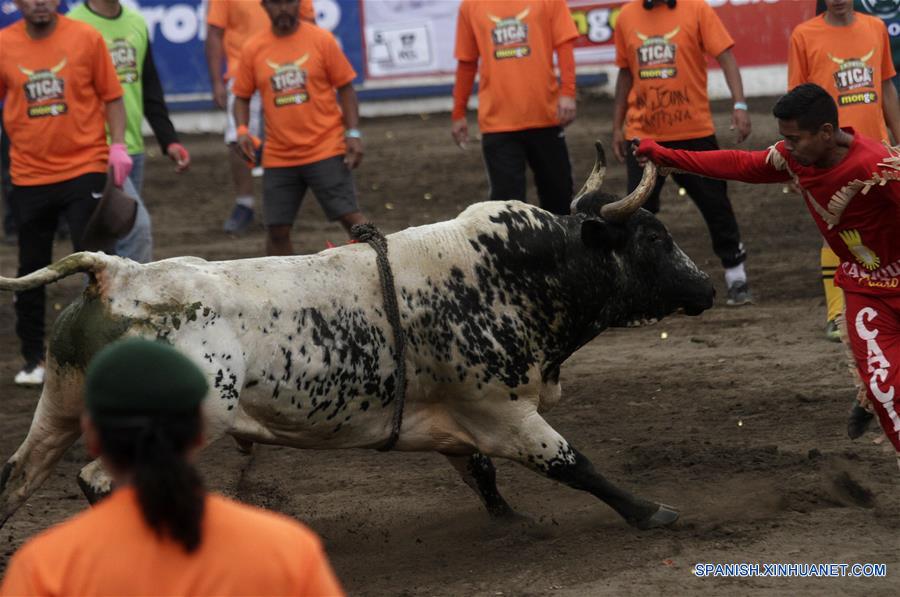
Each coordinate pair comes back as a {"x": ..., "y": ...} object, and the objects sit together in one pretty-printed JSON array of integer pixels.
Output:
[
  {"x": 137, "y": 171},
  {"x": 36, "y": 213},
  {"x": 834, "y": 297},
  {"x": 78, "y": 197},
  {"x": 504, "y": 160},
  {"x": 635, "y": 172},
  {"x": 548, "y": 157},
  {"x": 332, "y": 184},
  {"x": 283, "y": 191},
  {"x": 9, "y": 224},
  {"x": 241, "y": 173},
  {"x": 138, "y": 243},
  {"x": 873, "y": 326}
]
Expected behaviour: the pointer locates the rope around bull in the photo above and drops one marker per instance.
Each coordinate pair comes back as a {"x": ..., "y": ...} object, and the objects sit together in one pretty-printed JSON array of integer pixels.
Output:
[{"x": 369, "y": 234}]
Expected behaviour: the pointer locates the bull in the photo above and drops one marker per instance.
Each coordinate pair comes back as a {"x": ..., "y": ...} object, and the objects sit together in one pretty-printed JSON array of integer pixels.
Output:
[{"x": 298, "y": 350}]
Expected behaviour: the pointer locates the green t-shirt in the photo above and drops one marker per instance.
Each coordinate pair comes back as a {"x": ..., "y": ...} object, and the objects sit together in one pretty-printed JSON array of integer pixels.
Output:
[{"x": 128, "y": 41}]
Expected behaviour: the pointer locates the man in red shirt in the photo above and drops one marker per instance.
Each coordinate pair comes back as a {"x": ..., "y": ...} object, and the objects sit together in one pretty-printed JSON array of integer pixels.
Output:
[{"x": 851, "y": 186}]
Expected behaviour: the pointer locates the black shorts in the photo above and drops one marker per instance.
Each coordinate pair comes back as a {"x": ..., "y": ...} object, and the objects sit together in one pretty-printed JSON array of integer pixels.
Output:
[{"x": 284, "y": 189}]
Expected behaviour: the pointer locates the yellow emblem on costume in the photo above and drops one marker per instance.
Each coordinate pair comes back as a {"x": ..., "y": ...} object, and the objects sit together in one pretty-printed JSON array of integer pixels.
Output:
[{"x": 863, "y": 254}]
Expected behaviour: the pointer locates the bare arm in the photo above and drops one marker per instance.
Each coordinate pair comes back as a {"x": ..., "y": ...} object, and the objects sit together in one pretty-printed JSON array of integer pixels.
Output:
[
  {"x": 350, "y": 110},
  {"x": 624, "y": 83},
  {"x": 215, "y": 56},
  {"x": 241, "y": 115},
  {"x": 115, "y": 120},
  {"x": 740, "y": 119},
  {"x": 889, "y": 103}
]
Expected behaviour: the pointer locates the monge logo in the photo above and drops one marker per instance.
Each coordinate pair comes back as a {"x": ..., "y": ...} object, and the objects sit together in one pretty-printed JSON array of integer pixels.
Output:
[
  {"x": 510, "y": 36},
  {"x": 124, "y": 57},
  {"x": 44, "y": 86},
  {"x": 854, "y": 73},
  {"x": 656, "y": 55},
  {"x": 289, "y": 82}
]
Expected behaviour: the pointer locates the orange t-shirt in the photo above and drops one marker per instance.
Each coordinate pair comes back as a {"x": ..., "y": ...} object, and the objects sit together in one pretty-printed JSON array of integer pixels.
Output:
[
  {"x": 851, "y": 63},
  {"x": 296, "y": 76},
  {"x": 241, "y": 20},
  {"x": 665, "y": 49},
  {"x": 56, "y": 89},
  {"x": 110, "y": 550},
  {"x": 514, "y": 40}
]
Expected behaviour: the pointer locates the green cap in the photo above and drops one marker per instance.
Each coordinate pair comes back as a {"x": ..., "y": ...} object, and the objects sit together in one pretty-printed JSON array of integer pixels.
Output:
[{"x": 140, "y": 377}]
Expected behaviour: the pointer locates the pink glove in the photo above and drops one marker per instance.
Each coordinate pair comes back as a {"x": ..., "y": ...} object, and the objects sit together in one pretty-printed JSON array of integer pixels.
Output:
[{"x": 120, "y": 162}]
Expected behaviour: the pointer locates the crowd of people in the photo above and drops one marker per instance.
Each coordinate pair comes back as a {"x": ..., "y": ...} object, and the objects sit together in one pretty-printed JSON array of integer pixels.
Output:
[{"x": 77, "y": 88}]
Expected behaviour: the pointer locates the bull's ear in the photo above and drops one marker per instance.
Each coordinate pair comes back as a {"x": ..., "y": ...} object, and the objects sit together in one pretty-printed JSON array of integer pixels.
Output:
[{"x": 597, "y": 234}]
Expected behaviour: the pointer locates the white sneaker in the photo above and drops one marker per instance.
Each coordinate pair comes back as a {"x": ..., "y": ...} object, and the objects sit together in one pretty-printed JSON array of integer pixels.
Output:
[{"x": 33, "y": 376}]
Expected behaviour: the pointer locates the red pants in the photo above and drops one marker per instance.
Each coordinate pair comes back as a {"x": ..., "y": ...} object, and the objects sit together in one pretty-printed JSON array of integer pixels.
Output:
[{"x": 873, "y": 325}]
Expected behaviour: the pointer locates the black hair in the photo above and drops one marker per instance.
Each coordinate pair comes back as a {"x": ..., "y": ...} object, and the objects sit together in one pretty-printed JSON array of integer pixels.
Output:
[
  {"x": 809, "y": 105},
  {"x": 154, "y": 449}
]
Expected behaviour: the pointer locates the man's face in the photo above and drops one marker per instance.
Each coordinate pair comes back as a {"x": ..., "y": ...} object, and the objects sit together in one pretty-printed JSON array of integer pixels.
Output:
[
  {"x": 805, "y": 147},
  {"x": 284, "y": 14},
  {"x": 38, "y": 12},
  {"x": 839, "y": 8}
]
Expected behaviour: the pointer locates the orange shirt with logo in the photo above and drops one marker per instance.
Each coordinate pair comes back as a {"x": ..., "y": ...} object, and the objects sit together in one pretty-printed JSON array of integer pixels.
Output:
[
  {"x": 55, "y": 90},
  {"x": 241, "y": 20},
  {"x": 296, "y": 76},
  {"x": 851, "y": 63},
  {"x": 515, "y": 41},
  {"x": 665, "y": 50},
  {"x": 110, "y": 550}
]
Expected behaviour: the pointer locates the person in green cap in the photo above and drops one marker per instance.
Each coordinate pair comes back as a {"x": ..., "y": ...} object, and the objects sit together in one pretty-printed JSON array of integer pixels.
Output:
[
  {"x": 128, "y": 41},
  {"x": 159, "y": 532}
]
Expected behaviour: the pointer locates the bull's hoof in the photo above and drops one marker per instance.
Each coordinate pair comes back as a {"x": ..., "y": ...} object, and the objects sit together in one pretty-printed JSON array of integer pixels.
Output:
[
  {"x": 663, "y": 517},
  {"x": 93, "y": 496}
]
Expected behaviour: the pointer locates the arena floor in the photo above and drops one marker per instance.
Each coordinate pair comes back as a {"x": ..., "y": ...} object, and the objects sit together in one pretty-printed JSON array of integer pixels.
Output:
[{"x": 736, "y": 418}]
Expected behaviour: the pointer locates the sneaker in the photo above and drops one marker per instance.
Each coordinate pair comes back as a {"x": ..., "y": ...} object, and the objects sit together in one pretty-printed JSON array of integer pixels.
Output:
[
  {"x": 832, "y": 332},
  {"x": 739, "y": 294},
  {"x": 858, "y": 422},
  {"x": 240, "y": 219},
  {"x": 31, "y": 375}
]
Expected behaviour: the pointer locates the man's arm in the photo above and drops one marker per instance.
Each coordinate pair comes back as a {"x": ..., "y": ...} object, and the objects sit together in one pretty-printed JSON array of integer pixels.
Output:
[
  {"x": 241, "y": 114},
  {"x": 215, "y": 55},
  {"x": 119, "y": 160},
  {"x": 462, "y": 89},
  {"x": 891, "y": 108},
  {"x": 740, "y": 118},
  {"x": 565, "y": 55},
  {"x": 157, "y": 114},
  {"x": 624, "y": 83},
  {"x": 745, "y": 166},
  {"x": 350, "y": 111}
]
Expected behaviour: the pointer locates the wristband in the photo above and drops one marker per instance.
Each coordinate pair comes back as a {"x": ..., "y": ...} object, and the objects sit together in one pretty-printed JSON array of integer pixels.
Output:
[
  {"x": 242, "y": 130},
  {"x": 353, "y": 134},
  {"x": 741, "y": 106}
]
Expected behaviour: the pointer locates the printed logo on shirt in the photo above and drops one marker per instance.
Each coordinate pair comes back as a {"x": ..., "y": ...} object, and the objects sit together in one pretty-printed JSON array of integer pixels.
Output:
[
  {"x": 853, "y": 74},
  {"x": 877, "y": 364},
  {"x": 656, "y": 55},
  {"x": 124, "y": 57},
  {"x": 289, "y": 82},
  {"x": 45, "y": 91},
  {"x": 510, "y": 35},
  {"x": 864, "y": 255}
]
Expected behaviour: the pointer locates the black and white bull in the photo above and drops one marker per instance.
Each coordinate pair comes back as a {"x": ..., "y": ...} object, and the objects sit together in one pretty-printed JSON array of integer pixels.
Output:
[{"x": 298, "y": 350}]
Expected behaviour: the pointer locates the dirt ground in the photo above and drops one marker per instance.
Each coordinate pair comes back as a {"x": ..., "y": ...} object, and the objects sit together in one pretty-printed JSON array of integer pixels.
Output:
[{"x": 736, "y": 418}]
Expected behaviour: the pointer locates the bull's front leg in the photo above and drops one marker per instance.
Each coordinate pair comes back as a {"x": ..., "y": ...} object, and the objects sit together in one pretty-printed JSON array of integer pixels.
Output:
[
  {"x": 538, "y": 446},
  {"x": 479, "y": 473}
]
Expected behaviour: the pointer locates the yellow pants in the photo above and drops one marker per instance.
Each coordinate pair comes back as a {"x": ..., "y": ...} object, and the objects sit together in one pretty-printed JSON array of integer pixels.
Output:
[{"x": 834, "y": 297}]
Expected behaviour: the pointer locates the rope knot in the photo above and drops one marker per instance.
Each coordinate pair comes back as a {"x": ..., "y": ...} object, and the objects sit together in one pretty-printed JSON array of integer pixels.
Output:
[{"x": 366, "y": 233}]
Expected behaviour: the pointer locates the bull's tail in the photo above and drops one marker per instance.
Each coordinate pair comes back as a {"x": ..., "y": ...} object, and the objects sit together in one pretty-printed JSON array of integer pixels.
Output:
[{"x": 73, "y": 264}]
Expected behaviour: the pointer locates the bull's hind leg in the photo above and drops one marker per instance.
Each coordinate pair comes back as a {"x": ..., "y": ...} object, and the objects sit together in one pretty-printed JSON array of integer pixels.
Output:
[
  {"x": 54, "y": 428},
  {"x": 538, "y": 446},
  {"x": 478, "y": 472}
]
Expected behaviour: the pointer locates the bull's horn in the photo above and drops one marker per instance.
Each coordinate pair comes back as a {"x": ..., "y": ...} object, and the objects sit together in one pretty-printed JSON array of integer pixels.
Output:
[
  {"x": 494, "y": 19},
  {"x": 26, "y": 72},
  {"x": 595, "y": 180},
  {"x": 836, "y": 59},
  {"x": 58, "y": 67},
  {"x": 641, "y": 36},
  {"x": 868, "y": 56},
  {"x": 672, "y": 33},
  {"x": 299, "y": 62},
  {"x": 621, "y": 210},
  {"x": 523, "y": 14},
  {"x": 273, "y": 65}
]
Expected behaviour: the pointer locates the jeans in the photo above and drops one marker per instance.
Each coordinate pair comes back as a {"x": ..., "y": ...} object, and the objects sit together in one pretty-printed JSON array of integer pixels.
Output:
[
  {"x": 9, "y": 224},
  {"x": 137, "y": 244}
]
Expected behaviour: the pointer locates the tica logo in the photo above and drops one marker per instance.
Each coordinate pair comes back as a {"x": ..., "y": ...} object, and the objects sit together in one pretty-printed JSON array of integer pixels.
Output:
[
  {"x": 124, "y": 57},
  {"x": 510, "y": 31},
  {"x": 863, "y": 254},
  {"x": 289, "y": 82},
  {"x": 656, "y": 55},
  {"x": 852, "y": 74},
  {"x": 45, "y": 91}
]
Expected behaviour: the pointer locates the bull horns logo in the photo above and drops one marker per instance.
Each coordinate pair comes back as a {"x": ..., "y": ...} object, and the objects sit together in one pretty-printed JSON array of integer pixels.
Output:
[
  {"x": 54, "y": 69},
  {"x": 519, "y": 17},
  {"x": 841, "y": 61},
  {"x": 665, "y": 36},
  {"x": 290, "y": 65}
]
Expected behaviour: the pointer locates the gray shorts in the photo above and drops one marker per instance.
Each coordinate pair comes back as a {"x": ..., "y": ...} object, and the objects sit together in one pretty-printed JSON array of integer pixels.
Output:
[{"x": 284, "y": 189}]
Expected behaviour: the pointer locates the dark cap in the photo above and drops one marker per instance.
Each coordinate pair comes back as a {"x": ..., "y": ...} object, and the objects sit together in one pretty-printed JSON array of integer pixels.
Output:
[{"x": 138, "y": 377}]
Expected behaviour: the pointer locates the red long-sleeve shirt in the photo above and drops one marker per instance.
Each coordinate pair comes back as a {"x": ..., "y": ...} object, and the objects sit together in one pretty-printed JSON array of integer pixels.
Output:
[{"x": 855, "y": 204}]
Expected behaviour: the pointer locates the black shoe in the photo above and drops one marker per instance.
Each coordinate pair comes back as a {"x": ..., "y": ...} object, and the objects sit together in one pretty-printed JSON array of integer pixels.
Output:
[
  {"x": 858, "y": 422},
  {"x": 739, "y": 294}
]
